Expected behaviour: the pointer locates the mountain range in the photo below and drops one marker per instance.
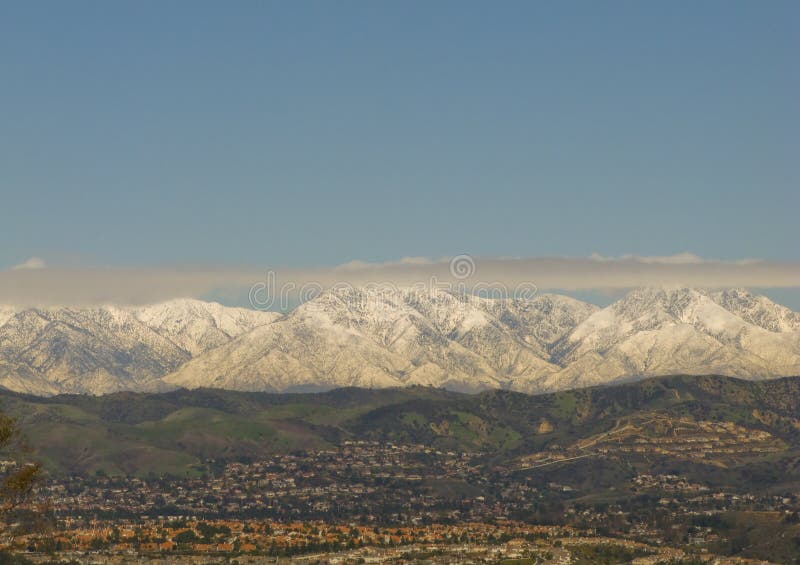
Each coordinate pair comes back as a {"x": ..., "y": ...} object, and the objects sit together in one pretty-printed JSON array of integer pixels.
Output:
[{"x": 376, "y": 338}]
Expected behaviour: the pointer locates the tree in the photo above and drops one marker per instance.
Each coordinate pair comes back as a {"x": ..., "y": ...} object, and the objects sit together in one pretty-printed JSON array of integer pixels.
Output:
[
  {"x": 187, "y": 536},
  {"x": 18, "y": 476}
]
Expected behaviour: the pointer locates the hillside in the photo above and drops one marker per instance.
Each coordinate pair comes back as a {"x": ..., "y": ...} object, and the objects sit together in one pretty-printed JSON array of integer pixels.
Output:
[{"x": 736, "y": 431}]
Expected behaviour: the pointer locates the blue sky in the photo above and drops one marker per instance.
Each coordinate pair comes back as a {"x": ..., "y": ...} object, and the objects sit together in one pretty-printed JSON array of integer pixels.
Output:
[{"x": 314, "y": 133}]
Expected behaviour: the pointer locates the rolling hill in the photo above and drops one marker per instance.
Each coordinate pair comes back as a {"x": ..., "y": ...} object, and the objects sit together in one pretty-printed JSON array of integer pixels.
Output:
[{"x": 736, "y": 430}]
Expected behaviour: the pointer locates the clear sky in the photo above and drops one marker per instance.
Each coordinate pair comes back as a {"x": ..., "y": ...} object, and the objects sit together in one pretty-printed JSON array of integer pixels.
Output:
[{"x": 315, "y": 133}]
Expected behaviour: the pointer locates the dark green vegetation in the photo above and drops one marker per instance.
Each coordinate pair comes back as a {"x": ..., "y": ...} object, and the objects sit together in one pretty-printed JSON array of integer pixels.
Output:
[
  {"x": 176, "y": 432},
  {"x": 604, "y": 554}
]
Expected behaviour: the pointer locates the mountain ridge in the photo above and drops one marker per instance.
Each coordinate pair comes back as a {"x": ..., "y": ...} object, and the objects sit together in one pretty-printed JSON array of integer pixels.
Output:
[{"x": 400, "y": 337}]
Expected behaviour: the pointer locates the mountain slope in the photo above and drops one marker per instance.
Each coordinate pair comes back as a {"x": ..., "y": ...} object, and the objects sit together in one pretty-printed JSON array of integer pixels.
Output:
[
  {"x": 198, "y": 326},
  {"x": 93, "y": 350},
  {"x": 758, "y": 310},
  {"x": 106, "y": 349},
  {"x": 652, "y": 332},
  {"x": 373, "y": 337}
]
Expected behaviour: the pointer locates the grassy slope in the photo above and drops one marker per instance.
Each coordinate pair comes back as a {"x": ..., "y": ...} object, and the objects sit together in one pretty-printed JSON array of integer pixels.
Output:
[{"x": 139, "y": 433}]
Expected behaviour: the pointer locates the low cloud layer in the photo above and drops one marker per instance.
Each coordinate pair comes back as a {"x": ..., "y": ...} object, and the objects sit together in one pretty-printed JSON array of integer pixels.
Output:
[{"x": 34, "y": 284}]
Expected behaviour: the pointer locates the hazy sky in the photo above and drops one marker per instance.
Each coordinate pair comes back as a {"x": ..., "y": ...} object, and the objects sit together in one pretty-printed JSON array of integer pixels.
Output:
[{"x": 315, "y": 133}]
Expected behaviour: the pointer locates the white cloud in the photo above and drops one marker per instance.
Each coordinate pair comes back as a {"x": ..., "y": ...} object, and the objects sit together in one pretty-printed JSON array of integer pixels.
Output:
[
  {"x": 685, "y": 258},
  {"x": 32, "y": 263}
]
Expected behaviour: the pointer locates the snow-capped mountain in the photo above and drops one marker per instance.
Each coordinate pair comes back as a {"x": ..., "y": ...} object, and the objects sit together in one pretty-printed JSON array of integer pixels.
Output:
[
  {"x": 758, "y": 310},
  {"x": 198, "y": 326},
  {"x": 652, "y": 332},
  {"x": 360, "y": 337},
  {"x": 93, "y": 350},
  {"x": 380, "y": 338},
  {"x": 105, "y": 349}
]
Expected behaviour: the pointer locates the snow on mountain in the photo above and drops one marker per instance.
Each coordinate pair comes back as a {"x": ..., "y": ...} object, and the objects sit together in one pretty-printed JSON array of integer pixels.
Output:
[
  {"x": 380, "y": 338},
  {"x": 758, "y": 310},
  {"x": 652, "y": 332},
  {"x": 92, "y": 350},
  {"x": 304, "y": 350},
  {"x": 105, "y": 349},
  {"x": 541, "y": 321},
  {"x": 198, "y": 326},
  {"x": 395, "y": 337},
  {"x": 395, "y": 322},
  {"x": 6, "y": 312}
]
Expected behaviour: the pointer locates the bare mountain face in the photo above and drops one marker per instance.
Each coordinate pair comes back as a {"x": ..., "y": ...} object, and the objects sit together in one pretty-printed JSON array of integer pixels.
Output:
[{"x": 379, "y": 338}]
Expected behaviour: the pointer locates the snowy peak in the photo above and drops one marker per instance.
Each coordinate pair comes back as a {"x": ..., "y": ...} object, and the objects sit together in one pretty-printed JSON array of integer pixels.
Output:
[
  {"x": 543, "y": 320},
  {"x": 652, "y": 309},
  {"x": 103, "y": 349},
  {"x": 395, "y": 336},
  {"x": 651, "y": 332},
  {"x": 6, "y": 313},
  {"x": 198, "y": 326},
  {"x": 373, "y": 337},
  {"x": 93, "y": 350},
  {"x": 758, "y": 310}
]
